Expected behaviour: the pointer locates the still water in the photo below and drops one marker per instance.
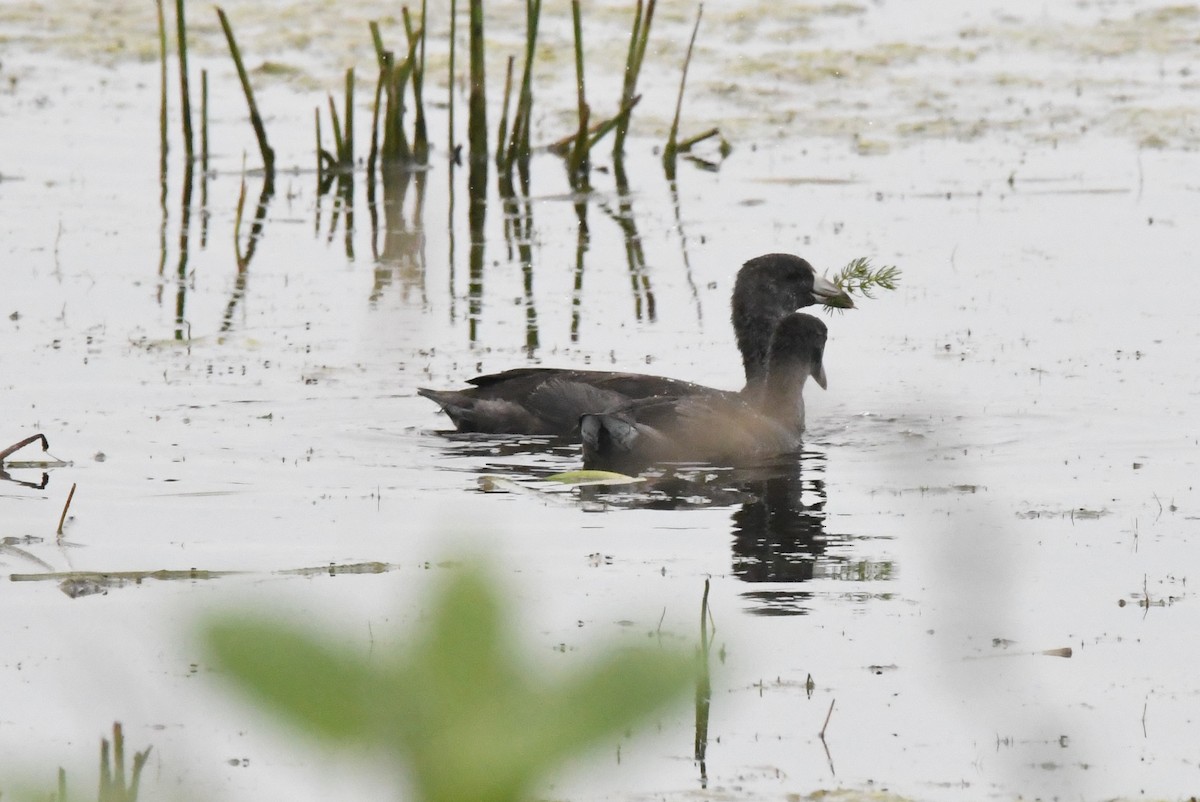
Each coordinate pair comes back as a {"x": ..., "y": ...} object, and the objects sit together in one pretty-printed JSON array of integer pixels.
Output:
[{"x": 1006, "y": 452}]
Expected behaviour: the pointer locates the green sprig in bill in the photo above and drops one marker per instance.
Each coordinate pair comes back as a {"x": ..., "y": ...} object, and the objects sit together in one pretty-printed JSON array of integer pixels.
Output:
[{"x": 859, "y": 278}]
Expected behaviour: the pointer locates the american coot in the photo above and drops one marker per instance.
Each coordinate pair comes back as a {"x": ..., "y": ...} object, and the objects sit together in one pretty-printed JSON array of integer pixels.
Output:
[
  {"x": 718, "y": 428},
  {"x": 549, "y": 401}
]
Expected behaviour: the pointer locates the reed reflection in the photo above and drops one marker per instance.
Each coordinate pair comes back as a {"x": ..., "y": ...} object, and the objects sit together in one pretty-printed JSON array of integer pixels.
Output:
[
  {"x": 518, "y": 236},
  {"x": 244, "y": 257},
  {"x": 181, "y": 277},
  {"x": 635, "y": 256},
  {"x": 683, "y": 249},
  {"x": 399, "y": 249},
  {"x": 582, "y": 241}
]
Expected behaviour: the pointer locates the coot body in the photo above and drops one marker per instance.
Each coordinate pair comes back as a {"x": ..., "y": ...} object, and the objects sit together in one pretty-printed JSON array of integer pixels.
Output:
[
  {"x": 726, "y": 429},
  {"x": 550, "y": 401}
]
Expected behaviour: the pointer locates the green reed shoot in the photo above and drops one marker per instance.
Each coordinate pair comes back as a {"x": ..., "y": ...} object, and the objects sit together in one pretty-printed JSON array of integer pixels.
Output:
[
  {"x": 394, "y": 78},
  {"x": 519, "y": 149},
  {"x": 638, "y": 39}
]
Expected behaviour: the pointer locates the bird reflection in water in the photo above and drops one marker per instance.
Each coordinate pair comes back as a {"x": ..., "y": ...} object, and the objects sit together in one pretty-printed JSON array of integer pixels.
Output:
[
  {"x": 778, "y": 509},
  {"x": 779, "y": 538}
]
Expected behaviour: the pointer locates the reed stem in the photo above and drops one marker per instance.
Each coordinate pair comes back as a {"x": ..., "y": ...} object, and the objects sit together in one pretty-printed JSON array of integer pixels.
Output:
[
  {"x": 518, "y": 144},
  {"x": 416, "y": 50},
  {"x": 671, "y": 151},
  {"x": 320, "y": 151},
  {"x": 638, "y": 40},
  {"x": 579, "y": 155},
  {"x": 184, "y": 91},
  {"x": 335, "y": 122},
  {"x": 162, "y": 66},
  {"x": 268, "y": 155},
  {"x": 502, "y": 163},
  {"x": 373, "y": 153},
  {"x": 477, "y": 117},
  {"x": 346, "y": 155},
  {"x": 451, "y": 147},
  {"x": 204, "y": 122}
]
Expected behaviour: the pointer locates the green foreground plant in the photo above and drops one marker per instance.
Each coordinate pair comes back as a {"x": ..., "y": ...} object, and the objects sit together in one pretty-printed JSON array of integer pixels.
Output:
[{"x": 459, "y": 706}]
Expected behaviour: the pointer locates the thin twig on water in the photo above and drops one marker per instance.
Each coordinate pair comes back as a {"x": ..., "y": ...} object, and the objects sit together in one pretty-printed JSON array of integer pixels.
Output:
[
  {"x": 63, "y": 518},
  {"x": 827, "y": 717}
]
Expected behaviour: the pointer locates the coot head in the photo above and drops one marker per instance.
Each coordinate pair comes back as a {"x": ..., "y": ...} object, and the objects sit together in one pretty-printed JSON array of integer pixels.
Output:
[
  {"x": 797, "y": 352},
  {"x": 768, "y": 288}
]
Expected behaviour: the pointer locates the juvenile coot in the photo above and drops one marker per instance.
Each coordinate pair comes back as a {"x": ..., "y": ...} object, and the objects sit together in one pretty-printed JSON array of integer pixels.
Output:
[
  {"x": 722, "y": 429},
  {"x": 549, "y": 401}
]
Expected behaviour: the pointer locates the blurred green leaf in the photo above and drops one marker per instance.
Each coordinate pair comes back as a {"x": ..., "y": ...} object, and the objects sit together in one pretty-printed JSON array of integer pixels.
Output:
[
  {"x": 464, "y": 710},
  {"x": 319, "y": 688}
]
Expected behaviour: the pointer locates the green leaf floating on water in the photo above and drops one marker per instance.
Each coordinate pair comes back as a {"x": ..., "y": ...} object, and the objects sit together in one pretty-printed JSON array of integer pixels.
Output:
[
  {"x": 594, "y": 478},
  {"x": 859, "y": 278},
  {"x": 459, "y": 705}
]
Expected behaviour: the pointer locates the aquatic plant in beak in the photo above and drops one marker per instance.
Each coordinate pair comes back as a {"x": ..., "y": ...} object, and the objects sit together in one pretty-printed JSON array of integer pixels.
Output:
[{"x": 856, "y": 278}]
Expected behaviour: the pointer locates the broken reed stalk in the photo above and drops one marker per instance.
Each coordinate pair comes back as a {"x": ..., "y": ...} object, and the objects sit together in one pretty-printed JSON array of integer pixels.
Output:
[
  {"x": 268, "y": 155},
  {"x": 518, "y": 144},
  {"x": 638, "y": 40},
  {"x": 670, "y": 152},
  {"x": 416, "y": 51},
  {"x": 502, "y": 163},
  {"x": 599, "y": 131},
  {"x": 204, "y": 122},
  {"x": 22, "y": 443},
  {"x": 477, "y": 115},
  {"x": 184, "y": 90},
  {"x": 579, "y": 154},
  {"x": 688, "y": 143},
  {"x": 62, "y": 519}
]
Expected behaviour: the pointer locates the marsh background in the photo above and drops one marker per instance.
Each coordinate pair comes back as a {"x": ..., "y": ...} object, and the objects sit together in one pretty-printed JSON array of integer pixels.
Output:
[{"x": 1007, "y": 449}]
